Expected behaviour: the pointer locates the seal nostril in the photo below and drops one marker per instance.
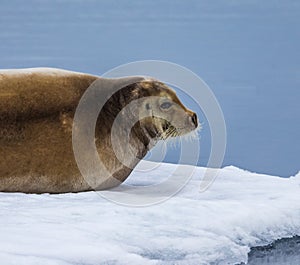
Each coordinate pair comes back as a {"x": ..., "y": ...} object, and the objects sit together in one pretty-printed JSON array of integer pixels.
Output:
[{"x": 194, "y": 119}]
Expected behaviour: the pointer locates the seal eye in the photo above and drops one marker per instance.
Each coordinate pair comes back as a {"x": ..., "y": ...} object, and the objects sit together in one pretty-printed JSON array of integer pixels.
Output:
[{"x": 166, "y": 105}]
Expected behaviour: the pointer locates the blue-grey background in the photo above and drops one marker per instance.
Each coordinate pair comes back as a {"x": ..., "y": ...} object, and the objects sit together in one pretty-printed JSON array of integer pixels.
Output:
[{"x": 246, "y": 51}]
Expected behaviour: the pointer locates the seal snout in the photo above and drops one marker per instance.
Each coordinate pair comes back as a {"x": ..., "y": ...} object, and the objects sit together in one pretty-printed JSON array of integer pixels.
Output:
[{"x": 194, "y": 119}]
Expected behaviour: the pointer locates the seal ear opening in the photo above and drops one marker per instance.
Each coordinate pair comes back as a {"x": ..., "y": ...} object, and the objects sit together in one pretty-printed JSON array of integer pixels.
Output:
[{"x": 147, "y": 106}]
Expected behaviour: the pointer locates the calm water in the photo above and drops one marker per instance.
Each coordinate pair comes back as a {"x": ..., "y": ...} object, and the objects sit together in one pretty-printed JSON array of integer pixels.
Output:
[{"x": 248, "y": 52}]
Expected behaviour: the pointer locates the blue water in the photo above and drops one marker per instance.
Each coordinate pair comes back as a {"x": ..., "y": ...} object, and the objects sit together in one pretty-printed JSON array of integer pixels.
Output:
[{"x": 247, "y": 51}]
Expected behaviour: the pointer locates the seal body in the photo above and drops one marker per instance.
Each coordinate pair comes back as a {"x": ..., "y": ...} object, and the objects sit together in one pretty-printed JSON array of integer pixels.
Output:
[{"x": 37, "y": 109}]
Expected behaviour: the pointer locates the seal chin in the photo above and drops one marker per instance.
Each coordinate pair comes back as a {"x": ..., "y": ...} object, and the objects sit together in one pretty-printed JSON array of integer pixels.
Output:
[{"x": 170, "y": 130}]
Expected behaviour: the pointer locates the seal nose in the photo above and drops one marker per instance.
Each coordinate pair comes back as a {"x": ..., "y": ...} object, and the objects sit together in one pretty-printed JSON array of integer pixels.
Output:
[{"x": 195, "y": 119}]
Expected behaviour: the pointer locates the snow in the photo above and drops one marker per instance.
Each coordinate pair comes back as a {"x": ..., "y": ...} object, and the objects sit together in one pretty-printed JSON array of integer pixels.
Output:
[{"x": 240, "y": 210}]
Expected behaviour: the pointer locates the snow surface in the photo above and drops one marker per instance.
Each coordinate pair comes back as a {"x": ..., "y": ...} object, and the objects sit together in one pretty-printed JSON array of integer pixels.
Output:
[{"x": 240, "y": 210}]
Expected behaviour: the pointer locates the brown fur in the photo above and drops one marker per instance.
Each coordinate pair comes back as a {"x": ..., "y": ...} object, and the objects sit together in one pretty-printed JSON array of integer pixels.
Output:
[{"x": 36, "y": 117}]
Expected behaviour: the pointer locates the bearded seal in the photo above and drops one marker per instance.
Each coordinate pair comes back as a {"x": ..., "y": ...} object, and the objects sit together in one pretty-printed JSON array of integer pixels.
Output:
[{"x": 37, "y": 108}]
